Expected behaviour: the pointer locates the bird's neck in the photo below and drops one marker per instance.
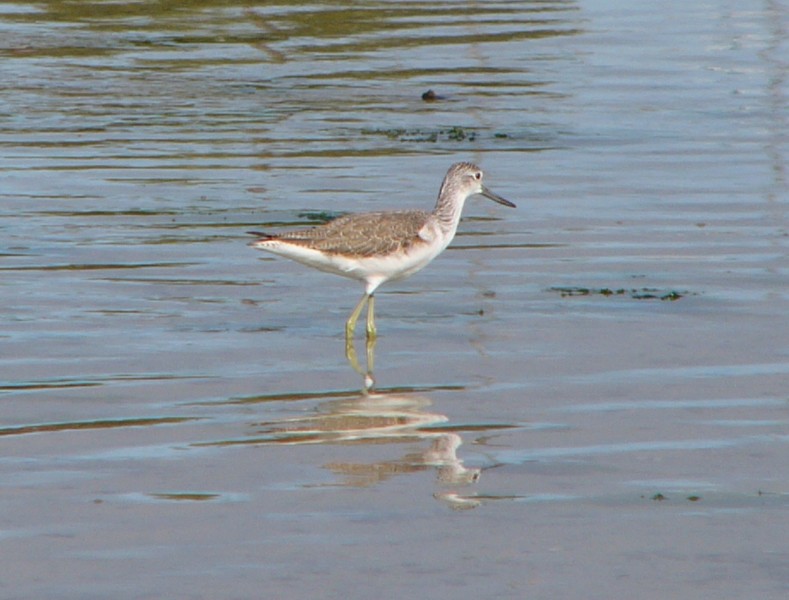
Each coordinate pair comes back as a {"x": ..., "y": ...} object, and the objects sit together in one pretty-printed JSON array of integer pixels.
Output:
[{"x": 448, "y": 208}]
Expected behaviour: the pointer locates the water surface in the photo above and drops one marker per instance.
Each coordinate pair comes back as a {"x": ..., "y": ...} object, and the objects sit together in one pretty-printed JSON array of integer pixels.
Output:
[{"x": 583, "y": 397}]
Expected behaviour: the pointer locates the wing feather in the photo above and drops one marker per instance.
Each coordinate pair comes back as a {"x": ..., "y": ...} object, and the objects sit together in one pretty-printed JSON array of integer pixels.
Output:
[{"x": 365, "y": 234}]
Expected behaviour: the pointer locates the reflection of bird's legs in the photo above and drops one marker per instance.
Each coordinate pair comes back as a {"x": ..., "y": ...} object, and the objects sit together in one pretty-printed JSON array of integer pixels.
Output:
[
  {"x": 353, "y": 359},
  {"x": 369, "y": 378},
  {"x": 350, "y": 354}
]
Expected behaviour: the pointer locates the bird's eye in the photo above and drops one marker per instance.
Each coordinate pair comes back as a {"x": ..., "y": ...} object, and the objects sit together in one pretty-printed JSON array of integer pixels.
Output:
[{"x": 478, "y": 175}]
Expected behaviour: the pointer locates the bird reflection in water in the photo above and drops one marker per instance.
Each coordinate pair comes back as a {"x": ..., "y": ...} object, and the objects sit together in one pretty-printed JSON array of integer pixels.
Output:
[
  {"x": 390, "y": 417},
  {"x": 394, "y": 416}
]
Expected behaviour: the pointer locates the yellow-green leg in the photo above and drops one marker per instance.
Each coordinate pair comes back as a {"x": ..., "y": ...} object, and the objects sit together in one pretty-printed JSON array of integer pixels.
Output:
[
  {"x": 371, "y": 332},
  {"x": 350, "y": 324}
]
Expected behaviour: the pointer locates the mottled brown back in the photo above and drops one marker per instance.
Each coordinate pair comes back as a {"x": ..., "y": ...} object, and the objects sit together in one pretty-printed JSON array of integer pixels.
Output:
[{"x": 365, "y": 234}]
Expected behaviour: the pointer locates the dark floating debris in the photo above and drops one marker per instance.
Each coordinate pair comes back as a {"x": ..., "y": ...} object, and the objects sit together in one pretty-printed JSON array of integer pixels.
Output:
[
  {"x": 458, "y": 133},
  {"x": 634, "y": 293},
  {"x": 431, "y": 96},
  {"x": 321, "y": 216},
  {"x": 454, "y": 134},
  {"x": 660, "y": 497}
]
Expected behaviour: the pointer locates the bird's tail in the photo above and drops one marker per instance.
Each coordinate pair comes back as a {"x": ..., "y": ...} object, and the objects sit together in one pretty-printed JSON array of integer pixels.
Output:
[{"x": 261, "y": 237}]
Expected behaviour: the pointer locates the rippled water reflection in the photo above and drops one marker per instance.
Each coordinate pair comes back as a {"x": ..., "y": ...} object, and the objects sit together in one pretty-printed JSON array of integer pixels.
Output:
[{"x": 177, "y": 406}]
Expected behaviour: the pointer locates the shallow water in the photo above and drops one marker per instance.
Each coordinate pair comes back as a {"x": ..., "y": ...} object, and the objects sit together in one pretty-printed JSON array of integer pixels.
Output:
[{"x": 584, "y": 397}]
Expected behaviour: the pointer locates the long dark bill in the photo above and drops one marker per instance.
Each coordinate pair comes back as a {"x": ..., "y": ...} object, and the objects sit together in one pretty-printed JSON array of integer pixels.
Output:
[{"x": 496, "y": 198}]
